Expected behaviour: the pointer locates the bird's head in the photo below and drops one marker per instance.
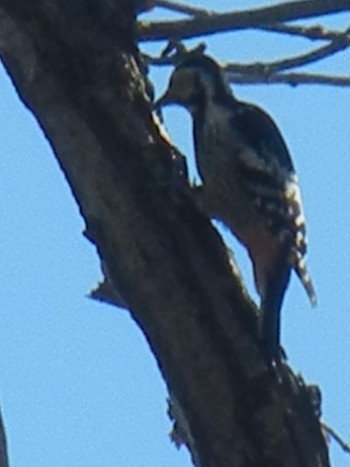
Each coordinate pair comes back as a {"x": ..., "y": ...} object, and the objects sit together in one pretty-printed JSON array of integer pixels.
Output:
[{"x": 196, "y": 80}]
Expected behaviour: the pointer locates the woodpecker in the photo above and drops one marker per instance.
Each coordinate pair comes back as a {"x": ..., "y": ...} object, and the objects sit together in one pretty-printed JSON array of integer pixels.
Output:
[{"x": 248, "y": 182}]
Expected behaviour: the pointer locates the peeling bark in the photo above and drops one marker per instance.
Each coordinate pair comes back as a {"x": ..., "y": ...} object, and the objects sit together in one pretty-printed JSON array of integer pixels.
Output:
[{"x": 75, "y": 65}]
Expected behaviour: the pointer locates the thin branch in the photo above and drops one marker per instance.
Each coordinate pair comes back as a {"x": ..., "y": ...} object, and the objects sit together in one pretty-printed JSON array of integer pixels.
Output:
[
  {"x": 344, "y": 445},
  {"x": 292, "y": 62},
  {"x": 313, "y": 32},
  {"x": 180, "y": 8},
  {"x": 317, "y": 32},
  {"x": 313, "y": 56},
  {"x": 215, "y": 23},
  {"x": 293, "y": 79}
]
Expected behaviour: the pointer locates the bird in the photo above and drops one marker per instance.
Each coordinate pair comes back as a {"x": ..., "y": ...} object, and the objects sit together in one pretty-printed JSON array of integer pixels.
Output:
[{"x": 248, "y": 182}]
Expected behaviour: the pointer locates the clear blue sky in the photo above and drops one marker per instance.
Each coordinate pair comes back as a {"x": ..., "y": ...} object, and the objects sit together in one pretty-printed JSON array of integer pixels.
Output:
[{"x": 78, "y": 383}]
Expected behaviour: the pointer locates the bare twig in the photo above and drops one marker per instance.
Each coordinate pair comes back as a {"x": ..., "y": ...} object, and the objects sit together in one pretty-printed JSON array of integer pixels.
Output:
[
  {"x": 180, "y": 8},
  {"x": 292, "y": 62},
  {"x": 308, "y": 32},
  {"x": 317, "y": 32},
  {"x": 313, "y": 56},
  {"x": 313, "y": 33},
  {"x": 344, "y": 445},
  {"x": 215, "y": 23},
  {"x": 293, "y": 79}
]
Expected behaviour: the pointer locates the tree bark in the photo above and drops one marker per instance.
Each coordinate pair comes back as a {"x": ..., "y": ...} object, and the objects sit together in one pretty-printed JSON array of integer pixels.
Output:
[{"x": 76, "y": 66}]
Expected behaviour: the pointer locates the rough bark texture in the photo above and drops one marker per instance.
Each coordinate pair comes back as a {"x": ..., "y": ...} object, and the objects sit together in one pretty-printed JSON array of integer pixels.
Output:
[{"x": 75, "y": 65}]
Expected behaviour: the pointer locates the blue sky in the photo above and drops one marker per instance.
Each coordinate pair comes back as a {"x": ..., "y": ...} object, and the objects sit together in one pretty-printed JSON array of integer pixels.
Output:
[{"x": 78, "y": 383}]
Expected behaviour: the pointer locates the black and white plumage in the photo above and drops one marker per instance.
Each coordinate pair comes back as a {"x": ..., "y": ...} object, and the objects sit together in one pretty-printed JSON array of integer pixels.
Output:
[{"x": 249, "y": 182}]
